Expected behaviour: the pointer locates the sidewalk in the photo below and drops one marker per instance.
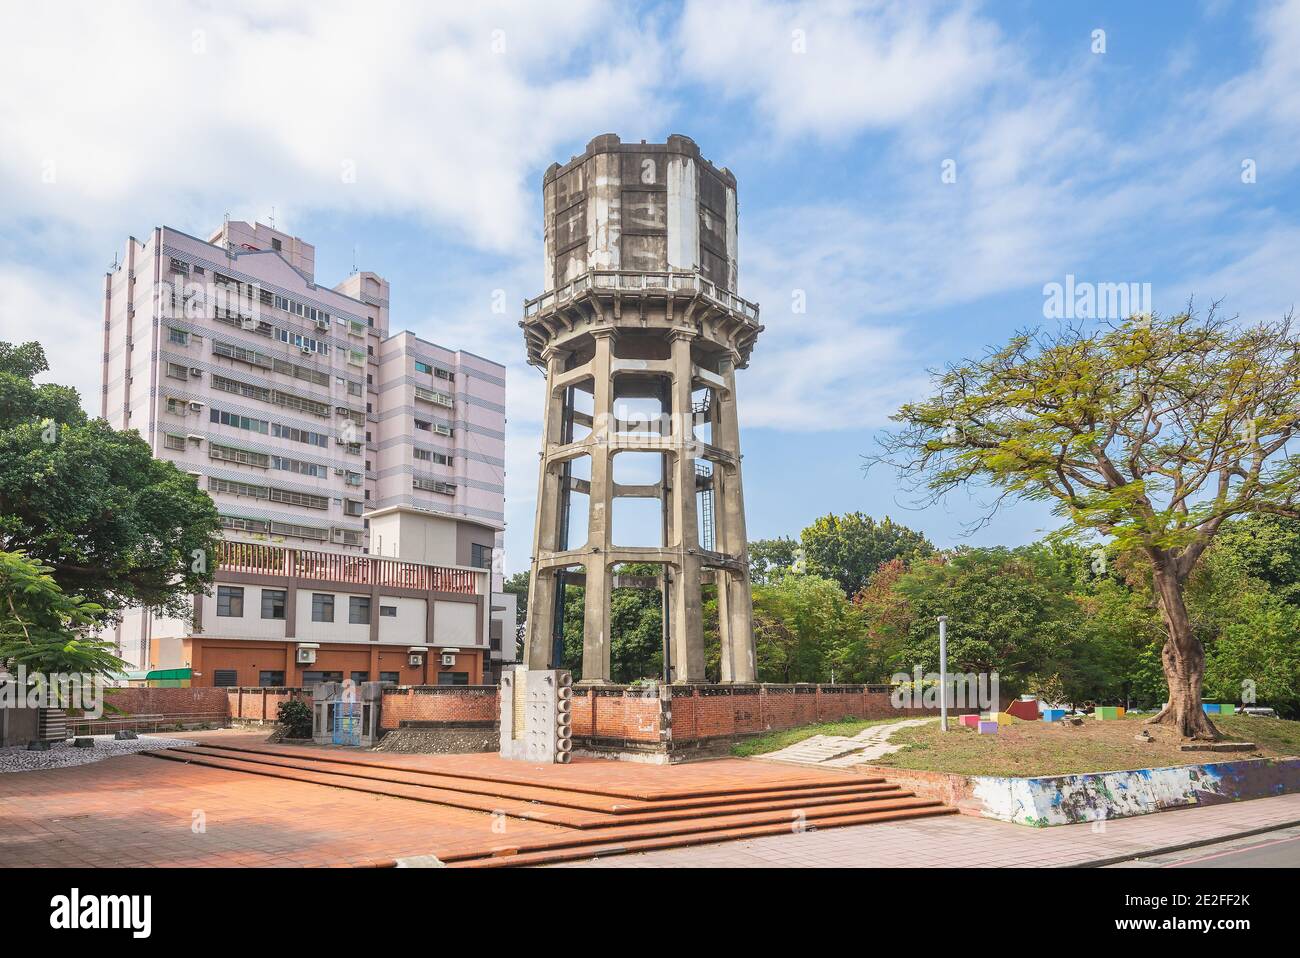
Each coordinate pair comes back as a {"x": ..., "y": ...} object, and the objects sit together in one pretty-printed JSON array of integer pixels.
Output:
[{"x": 962, "y": 841}]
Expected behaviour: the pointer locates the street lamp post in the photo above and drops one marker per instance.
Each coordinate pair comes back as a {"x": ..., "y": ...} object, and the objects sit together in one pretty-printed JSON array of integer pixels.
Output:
[{"x": 943, "y": 673}]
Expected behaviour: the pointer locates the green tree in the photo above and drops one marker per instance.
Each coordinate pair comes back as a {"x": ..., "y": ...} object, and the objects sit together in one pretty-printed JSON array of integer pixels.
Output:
[
  {"x": 115, "y": 525},
  {"x": 802, "y": 624},
  {"x": 45, "y": 631},
  {"x": 636, "y": 629},
  {"x": 851, "y": 547},
  {"x": 517, "y": 585},
  {"x": 769, "y": 559},
  {"x": 1009, "y": 611},
  {"x": 1152, "y": 433}
]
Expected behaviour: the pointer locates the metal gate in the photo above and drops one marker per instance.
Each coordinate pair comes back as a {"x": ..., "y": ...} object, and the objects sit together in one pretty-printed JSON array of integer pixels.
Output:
[{"x": 347, "y": 723}]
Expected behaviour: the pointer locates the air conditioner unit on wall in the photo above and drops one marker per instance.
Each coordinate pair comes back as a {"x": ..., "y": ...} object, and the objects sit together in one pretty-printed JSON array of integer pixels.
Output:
[
  {"x": 306, "y": 656},
  {"x": 448, "y": 660},
  {"x": 415, "y": 658}
]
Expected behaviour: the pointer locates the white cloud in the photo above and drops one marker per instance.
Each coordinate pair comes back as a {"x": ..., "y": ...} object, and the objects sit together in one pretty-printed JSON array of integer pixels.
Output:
[
  {"x": 58, "y": 315},
  {"x": 374, "y": 108},
  {"x": 830, "y": 69}
]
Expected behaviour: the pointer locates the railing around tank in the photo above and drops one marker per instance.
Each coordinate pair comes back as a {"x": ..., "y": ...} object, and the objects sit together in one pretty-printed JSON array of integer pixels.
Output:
[
  {"x": 253, "y": 557},
  {"x": 641, "y": 280}
]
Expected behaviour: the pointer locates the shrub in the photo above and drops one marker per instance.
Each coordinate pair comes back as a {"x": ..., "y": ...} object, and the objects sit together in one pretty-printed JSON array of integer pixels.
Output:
[{"x": 294, "y": 718}]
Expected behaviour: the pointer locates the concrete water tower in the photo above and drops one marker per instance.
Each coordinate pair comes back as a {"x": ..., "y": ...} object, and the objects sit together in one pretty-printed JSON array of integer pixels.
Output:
[{"x": 640, "y": 331}]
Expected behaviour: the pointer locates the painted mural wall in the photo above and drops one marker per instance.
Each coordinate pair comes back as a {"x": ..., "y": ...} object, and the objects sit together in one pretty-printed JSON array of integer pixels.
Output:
[{"x": 1069, "y": 799}]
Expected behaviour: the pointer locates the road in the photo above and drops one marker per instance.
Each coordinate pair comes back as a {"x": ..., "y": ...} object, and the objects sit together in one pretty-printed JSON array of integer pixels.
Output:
[{"x": 1276, "y": 849}]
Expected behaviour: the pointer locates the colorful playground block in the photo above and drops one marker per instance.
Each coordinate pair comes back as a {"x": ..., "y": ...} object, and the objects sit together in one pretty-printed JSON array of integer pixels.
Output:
[
  {"x": 970, "y": 721},
  {"x": 1107, "y": 712},
  {"x": 1210, "y": 709},
  {"x": 1026, "y": 709},
  {"x": 1227, "y": 709},
  {"x": 1053, "y": 715},
  {"x": 988, "y": 728},
  {"x": 1004, "y": 718}
]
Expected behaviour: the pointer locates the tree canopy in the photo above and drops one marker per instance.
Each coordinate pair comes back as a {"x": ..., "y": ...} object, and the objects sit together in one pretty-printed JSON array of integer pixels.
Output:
[
  {"x": 44, "y": 630},
  {"x": 1152, "y": 433},
  {"x": 849, "y": 548},
  {"x": 115, "y": 525}
]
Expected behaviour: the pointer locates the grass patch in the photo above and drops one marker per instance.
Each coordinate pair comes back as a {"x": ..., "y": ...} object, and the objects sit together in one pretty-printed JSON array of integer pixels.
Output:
[
  {"x": 1053, "y": 748},
  {"x": 773, "y": 741}
]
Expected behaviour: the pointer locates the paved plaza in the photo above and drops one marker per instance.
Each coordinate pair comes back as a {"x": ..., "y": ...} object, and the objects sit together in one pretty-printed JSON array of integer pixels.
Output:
[{"x": 139, "y": 810}]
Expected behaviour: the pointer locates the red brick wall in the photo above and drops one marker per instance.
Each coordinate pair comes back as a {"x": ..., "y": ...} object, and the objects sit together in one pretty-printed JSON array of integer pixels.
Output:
[
  {"x": 620, "y": 713},
  {"x": 439, "y": 703},
  {"x": 166, "y": 701},
  {"x": 719, "y": 711},
  {"x": 260, "y": 705}
]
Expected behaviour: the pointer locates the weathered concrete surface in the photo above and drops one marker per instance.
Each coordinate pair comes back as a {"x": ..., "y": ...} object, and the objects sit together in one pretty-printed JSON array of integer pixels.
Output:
[
  {"x": 1069, "y": 799},
  {"x": 640, "y": 306}
]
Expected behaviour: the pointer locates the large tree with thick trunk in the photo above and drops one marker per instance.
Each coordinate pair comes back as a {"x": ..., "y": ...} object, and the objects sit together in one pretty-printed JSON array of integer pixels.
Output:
[{"x": 1150, "y": 433}]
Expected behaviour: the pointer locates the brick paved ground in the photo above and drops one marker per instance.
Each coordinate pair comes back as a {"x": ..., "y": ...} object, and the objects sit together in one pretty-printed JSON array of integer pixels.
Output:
[
  {"x": 139, "y": 811},
  {"x": 966, "y": 841}
]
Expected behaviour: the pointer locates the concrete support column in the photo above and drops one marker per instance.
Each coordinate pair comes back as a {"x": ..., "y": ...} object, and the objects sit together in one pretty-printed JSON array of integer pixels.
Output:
[
  {"x": 595, "y": 628},
  {"x": 541, "y": 584},
  {"x": 686, "y": 620},
  {"x": 731, "y": 516}
]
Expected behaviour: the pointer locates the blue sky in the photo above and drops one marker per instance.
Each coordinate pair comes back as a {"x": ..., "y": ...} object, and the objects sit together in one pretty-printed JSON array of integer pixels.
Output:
[{"x": 838, "y": 119}]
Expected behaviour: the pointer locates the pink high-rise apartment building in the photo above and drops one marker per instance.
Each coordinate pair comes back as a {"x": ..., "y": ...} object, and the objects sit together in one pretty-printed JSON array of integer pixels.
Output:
[{"x": 347, "y": 463}]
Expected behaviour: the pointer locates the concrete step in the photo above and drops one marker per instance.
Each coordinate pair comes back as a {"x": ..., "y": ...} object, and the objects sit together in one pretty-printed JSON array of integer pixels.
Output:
[
  {"x": 525, "y": 775},
  {"x": 540, "y": 804},
  {"x": 506, "y": 859}
]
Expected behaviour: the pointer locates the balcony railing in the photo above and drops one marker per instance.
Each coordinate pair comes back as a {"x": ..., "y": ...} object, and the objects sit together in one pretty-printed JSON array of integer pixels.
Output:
[
  {"x": 670, "y": 280},
  {"x": 261, "y": 559}
]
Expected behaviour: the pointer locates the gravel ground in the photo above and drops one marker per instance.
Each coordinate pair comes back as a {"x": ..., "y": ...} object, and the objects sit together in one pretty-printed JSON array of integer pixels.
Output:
[{"x": 64, "y": 755}]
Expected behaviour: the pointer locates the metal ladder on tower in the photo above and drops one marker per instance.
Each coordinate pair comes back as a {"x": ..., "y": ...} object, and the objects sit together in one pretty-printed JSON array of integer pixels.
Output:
[{"x": 706, "y": 508}]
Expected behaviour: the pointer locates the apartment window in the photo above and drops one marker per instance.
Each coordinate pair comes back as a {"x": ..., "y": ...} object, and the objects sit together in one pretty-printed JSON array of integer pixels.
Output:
[
  {"x": 453, "y": 678},
  {"x": 359, "y": 677},
  {"x": 178, "y": 336},
  {"x": 480, "y": 556},
  {"x": 275, "y": 244},
  {"x": 230, "y": 454},
  {"x": 310, "y": 679},
  {"x": 273, "y": 603},
  {"x": 434, "y": 485},
  {"x": 239, "y": 422},
  {"x": 300, "y": 532},
  {"x": 388, "y": 611},
  {"x": 230, "y": 601},
  {"x": 322, "y": 607},
  {"x": 244, "y": 525},
  {"x": 298, "y": 466},
  {"x": 421, "y": 424},
  {"x": 300, "y": 435},
  {"x": 359, "y": 610},
  {"x": 270, "y": 680},
  {"x": 225, "y": 678},
  {"x": 177, "y": 371},
  {"x": 172, "y": 441},
  {"x": 391, "y": 678},
  {"x": 423, "y": 367}
]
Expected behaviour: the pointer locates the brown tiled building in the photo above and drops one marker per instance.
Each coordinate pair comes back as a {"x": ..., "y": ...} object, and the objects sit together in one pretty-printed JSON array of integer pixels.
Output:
[{"x": 295, "y": 617}]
